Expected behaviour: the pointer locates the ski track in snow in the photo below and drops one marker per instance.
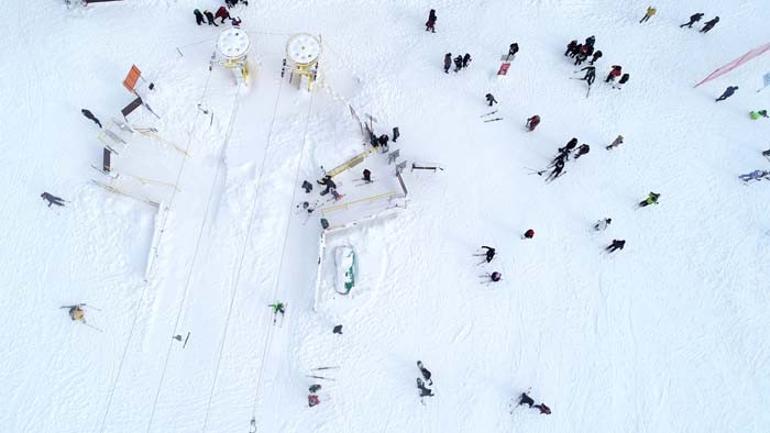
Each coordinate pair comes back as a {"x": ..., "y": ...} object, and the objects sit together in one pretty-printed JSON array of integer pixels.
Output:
[{"x": 667, "y": 335}]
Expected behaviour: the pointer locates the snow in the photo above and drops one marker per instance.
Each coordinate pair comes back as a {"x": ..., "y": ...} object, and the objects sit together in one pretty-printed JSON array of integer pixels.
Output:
[{"x": 669, "y": 334}]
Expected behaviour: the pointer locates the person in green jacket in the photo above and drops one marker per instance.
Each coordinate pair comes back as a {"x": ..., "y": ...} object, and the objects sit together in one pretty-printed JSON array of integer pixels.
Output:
[
  {"x": 757, "y": 114},
  {"x": 651, "y": 199}
]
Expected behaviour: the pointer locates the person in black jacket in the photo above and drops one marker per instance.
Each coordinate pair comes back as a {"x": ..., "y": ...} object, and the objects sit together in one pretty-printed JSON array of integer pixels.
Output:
[
  {"x": 709, "y": 25},
  {"x": 328, "y": 183},
  {"x": 52, "y": 199},
  {"x": 693, "y": 19},
  {"x": 430, "y": 25},
  {"x": 590, "y": 75},
  {"x": 582, "y": 150},
  {"x": 491, "y": 99},
  {"x": 730, "y": 91},
  {"x": 466, "y": 60},
  {"x": 525, "y": 399},
  {"x": 513, "y": 49},
  {"x": 617, "y": 244},
  {"x": 591, "y": 40},
  {"x": 447, "y": 62},
  {"x": 458, "y": 63},
  {"x": 210, "y": 18},
  {"x": 199, "y": 17},
  {"x": 568, "y": 148},
  {"x": 621, "y": 82},
  {"x": 597, "y": 55}
]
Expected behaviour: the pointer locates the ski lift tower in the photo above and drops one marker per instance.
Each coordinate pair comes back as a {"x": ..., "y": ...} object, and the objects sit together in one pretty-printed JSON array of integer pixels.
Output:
[
  {"x": 303, "y": 51},
  {"x": 233, "y": 45}
]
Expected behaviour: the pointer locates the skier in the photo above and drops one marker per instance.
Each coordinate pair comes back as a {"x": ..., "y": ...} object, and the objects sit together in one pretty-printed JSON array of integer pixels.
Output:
[
  {"x": 693, "y": 19},
  {"x": 570, "y": 145},
  {"x": 617, "y": 244},
  {"x": 729, "y": 91},
  {"x": 652, "y": 198},
  {"x": 585, "y": 51},
  {"x": 532, "y": 122},
  {"x": 614, "y": 73},
  {"x": 425, "y": 373},
  {"x": 525, "y": 399},
  {"x": 495, "y": 276},
  {"x": 313, "y": 400},
  {"x": 382, "y": 141},
  {"x": 447, "y": 62},
  {"x": 424, "y": 392},
  {"x": 328, "y": 182},
  {"x": 466, "y": 60},
  {"x": 307, "y": 186},
  {"x": 647, "y": 15},
  {"x": 337, "y": 329},
  {"x": 396, "y": 133},
  {"x": 90, "y": 116},
  {"x": 52, "y": 199},
  {"x": 210, "y": 18},
  {"x": 754, "y": 175},
  {"x": 199, "y": 17},
  {"x": 314, "y": 388},
  {"x": 766, "y": 153},
  {"x": 623, "y": 80},
  {"x": 590, "y": 75},
  {"x": 489, "y": 254},
  {"x": 575, "y": 51},
  {"x": 367, "y": 176},
  {"x": 571, "y": 47},
  {"x": 490, "y": 99},
  {"x": 231, "y": 3},
  {"x": 278, "y": 308},
  {"x": 582, "y": 150},
  {"x": 597, "y": 55},
  {"x": 76, "y": 312},
  {"x": 306, "y": 206},
  {"x": 757, "y": 114},
  {"x": 709, "y": 25},
  {"x": 602, "y": 224},
  {"x": 558, "y": 167},
  {"x": 591, "y": 40},
  {"x": 615, "y": 143},
  {"x": 223, "y": 14},
  {"x": 545, "y": 410},
  {"x": 529, "y": 234},
  {"x": 430, "y": 25},
  {"x": 458, "y": 63},
  {"x": 513, "y": 49}
]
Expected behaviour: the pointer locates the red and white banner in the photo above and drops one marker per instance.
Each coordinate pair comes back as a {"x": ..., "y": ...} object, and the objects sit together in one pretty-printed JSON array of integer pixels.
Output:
[{"x": 735, "y": 63}]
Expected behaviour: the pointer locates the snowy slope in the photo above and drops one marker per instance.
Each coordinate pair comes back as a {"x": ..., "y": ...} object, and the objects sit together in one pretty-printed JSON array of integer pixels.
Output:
[{"x": 669, "y": 334}]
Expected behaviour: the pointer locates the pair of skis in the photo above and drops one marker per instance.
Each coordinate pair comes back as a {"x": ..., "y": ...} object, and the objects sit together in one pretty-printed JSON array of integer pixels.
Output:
[
  {"x": 491, "y": 113},
  {"x": 315, "y": 373}
]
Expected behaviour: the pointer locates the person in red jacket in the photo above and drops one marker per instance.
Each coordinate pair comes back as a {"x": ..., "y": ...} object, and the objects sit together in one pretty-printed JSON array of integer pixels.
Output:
[
  {"x": 614, "y": 73},
  {"x": 532, "y": 122},
  {"x": 529, "y": 234},
  {"x": 223, "y": 14}
]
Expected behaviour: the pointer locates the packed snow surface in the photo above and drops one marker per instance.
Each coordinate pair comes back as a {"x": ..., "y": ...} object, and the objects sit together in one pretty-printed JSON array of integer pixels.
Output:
[{"x": 668, "y": 335}]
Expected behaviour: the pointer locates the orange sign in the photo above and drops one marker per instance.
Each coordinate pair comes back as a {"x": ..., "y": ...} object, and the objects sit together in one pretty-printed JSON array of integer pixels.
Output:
[{"x": 133, "y": 76}]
